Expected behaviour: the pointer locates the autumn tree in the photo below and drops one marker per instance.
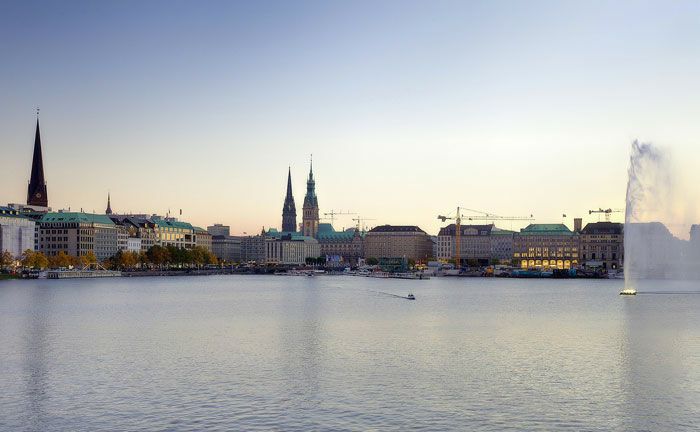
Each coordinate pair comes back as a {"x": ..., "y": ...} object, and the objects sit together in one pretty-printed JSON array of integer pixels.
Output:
[
  {"x": 88, "y": 259},
  {"x": 6, "y": 259}
]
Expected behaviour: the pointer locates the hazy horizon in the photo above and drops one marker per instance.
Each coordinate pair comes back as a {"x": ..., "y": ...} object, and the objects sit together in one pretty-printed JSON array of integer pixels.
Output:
[{"x": 409, "y": 108}]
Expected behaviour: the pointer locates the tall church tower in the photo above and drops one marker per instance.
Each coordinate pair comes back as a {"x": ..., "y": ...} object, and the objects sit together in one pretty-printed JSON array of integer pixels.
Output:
[
  {"x": 289, "y": 210},
  {"x": 36, "y": 192},
  {"x": 310, "y": 216},
  {"x": 109, "y": 204}
]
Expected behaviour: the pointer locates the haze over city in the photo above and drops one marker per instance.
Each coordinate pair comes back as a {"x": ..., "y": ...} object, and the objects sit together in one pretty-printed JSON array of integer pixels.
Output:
[{"x": 409, "y": 108}]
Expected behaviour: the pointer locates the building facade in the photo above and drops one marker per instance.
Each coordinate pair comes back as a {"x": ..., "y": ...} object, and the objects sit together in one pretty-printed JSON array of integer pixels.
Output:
[
  {"x": 289, "y": 249},
  {"x": 340, "y": 247},
  {"x": 602, "y": 245},
  {"x": 226, "y": 248},
  {"x": 478, "y": 244},
  {"x": 77, "y": 234},
  {"x": 398, "y": 241},
  {"x": 219, "y": 230},
  {"x": 16, "y": 232},
  {"x": 546, "y": 246},
  {"x": 253, "y": 248},
  {"x": 202, "y": 238}
]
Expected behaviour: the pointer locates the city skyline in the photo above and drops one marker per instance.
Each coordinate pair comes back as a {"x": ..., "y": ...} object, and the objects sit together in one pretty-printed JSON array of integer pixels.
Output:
[{"x": 211, "y": 131}]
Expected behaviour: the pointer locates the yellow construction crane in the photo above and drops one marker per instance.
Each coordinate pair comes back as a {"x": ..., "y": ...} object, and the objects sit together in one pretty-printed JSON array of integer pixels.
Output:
[
  {"x": 607, "y": 212},
  {"x": 480, "y": 216}
]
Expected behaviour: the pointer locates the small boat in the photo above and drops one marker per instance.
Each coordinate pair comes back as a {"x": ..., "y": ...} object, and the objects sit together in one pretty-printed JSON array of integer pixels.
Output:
[
  {"x": 411, "y": 297},
  {"x": 628, "y": 291}
]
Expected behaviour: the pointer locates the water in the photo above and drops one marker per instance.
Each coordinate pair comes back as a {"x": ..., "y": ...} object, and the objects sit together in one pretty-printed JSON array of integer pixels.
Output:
[{"x": 332, "y": 353}]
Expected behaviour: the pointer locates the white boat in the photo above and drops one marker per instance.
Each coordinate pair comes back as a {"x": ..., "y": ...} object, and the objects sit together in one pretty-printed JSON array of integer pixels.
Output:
[{"x": 628, "y": 291}]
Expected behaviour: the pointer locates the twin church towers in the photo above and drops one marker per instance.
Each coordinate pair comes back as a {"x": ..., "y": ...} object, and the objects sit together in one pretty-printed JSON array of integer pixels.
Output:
[{"x": 310, "y": 217}]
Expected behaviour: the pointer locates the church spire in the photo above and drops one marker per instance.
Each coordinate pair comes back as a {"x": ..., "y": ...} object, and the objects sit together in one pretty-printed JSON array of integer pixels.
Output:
[
  {"x": 289, "y": 210},
  {"x": 109, "y": 204},
  {"x": 36, "y": 192}
]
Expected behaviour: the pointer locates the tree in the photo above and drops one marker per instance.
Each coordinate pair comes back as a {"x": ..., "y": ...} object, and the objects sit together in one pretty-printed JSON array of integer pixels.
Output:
[
  {"x": 88, "y": 258},
  {"x": 34, "y": 260},
  {"x": 60, "y": 260},
  {"x": 372, "y": 261},
  {"x": 158, "y": 255},
  {"x": 6, "y": 259}
]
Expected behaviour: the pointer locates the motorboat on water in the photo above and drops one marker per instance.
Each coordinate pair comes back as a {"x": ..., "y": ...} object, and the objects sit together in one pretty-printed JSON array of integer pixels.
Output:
[
  {"x": 411, "y": 297},
  {"x": 628, "y": 291}
]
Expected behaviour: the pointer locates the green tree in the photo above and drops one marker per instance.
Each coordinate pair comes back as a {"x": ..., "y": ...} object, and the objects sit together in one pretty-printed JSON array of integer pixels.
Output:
[
  {"x": 158, "y": 255},
  {"x": 372, "y": 261}
]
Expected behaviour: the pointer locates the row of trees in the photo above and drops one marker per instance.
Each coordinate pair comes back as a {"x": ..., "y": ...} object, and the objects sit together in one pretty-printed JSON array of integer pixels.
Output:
[
  {"x": 159, "y": 256},
  {"x": 156, "y": 256},
  {"x": 37, "y": 260}
]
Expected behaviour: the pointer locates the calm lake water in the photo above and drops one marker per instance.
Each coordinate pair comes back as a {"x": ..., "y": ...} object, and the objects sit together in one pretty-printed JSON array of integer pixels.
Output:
[{"x": 336, "y": 353}]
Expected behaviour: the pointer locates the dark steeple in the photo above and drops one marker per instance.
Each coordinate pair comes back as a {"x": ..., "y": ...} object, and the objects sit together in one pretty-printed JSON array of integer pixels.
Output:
[
  {"x": 36, "y": 193},
  {"x": 109, "y": 205},
  {"x": 289, "y": 211}
]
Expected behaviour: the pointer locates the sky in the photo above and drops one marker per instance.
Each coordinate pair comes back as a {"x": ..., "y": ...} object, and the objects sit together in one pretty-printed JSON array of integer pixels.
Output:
[{"x": 410, "y": 108}]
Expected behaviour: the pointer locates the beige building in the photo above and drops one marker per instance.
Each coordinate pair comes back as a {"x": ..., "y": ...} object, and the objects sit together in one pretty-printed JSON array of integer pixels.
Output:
[
  {"x": 546, "y": 246},
  {"x": 602, "y": 245},
  {"x": 202, "y": 238},
  {"x": 340, "y": 247},
  {"x": 482, "y": 243},
  {"x": 77, "y": 234},
  {"x": 398, "y": 241}
]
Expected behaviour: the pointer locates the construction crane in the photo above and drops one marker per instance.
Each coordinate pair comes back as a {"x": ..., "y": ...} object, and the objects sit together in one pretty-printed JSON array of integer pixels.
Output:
[
  {"x": 359, "y": 221},
  {"x": 607, "y": 212},
  {"x": 334, "y": 213},
  {"x": 481, "y": 216}
]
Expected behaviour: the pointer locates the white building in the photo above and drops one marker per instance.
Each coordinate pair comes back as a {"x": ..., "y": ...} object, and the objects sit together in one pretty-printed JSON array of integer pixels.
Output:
[
  {"x": 133, "y": 244},
  {"x": 16, "y": 232},
  {"x": 291, "y": 249}
]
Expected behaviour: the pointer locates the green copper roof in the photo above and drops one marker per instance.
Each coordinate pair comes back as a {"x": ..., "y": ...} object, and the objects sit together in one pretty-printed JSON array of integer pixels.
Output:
[
  {"x": 546, "y": 229},
  {"x": 77, "y": 217}
]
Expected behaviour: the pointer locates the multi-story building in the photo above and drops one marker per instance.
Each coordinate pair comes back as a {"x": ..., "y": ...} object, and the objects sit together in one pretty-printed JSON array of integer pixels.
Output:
[
  {"x": 602, "y": 245},
  {"x": 226, "y": 248},
  {"x": 219, "y": 230},
  {"x": 253, "y": 248},
  {"x": 202, "y": 238},
  {"x": 290, "y": 249},
  {"x": 478, "y": 243},
  {"x": 77, "y": 234},
  {"x": 502, "y": 245},
  {"x": 546, "y": 246},
  {"x": 133, "y": 244},
  {"x": 340, "y": 247},
  {"x": 398, "y": 241},
  {"x": 16, "y": 232},
  {"x": 171, "y": 232}
]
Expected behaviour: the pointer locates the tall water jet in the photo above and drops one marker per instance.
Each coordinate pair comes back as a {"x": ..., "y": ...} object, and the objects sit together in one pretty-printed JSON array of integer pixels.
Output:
[{"x": 654, "y": 203}]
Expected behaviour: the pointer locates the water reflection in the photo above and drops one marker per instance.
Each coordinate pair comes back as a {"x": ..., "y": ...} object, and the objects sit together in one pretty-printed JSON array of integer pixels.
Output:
[
  {"x": 658, "y": 362},
  {"x": 36, "y": 353}
]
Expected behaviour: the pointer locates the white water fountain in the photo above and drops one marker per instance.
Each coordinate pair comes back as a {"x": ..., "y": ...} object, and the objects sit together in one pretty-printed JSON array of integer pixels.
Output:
[{"x": 654, "y": 203}]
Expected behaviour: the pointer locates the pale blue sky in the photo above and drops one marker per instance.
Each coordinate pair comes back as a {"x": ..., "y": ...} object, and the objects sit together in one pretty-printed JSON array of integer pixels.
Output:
[{"x": 410, "y": 108}]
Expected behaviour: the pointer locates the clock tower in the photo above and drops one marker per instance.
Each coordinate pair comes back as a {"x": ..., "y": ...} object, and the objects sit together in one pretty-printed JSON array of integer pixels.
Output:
[{"x": 309, "y": 223}]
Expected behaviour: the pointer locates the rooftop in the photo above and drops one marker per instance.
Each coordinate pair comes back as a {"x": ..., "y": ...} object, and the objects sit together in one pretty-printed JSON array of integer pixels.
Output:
[
  {"x": 613, "y": 228},
  {"x": 76, "y": 217},
  {"x": 546, "y": 229},
  {"x": 396, "y": 228}
]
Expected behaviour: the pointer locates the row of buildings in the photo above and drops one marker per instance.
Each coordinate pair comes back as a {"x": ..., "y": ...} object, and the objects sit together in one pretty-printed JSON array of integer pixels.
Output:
[{"x": 34, "y": 226}]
